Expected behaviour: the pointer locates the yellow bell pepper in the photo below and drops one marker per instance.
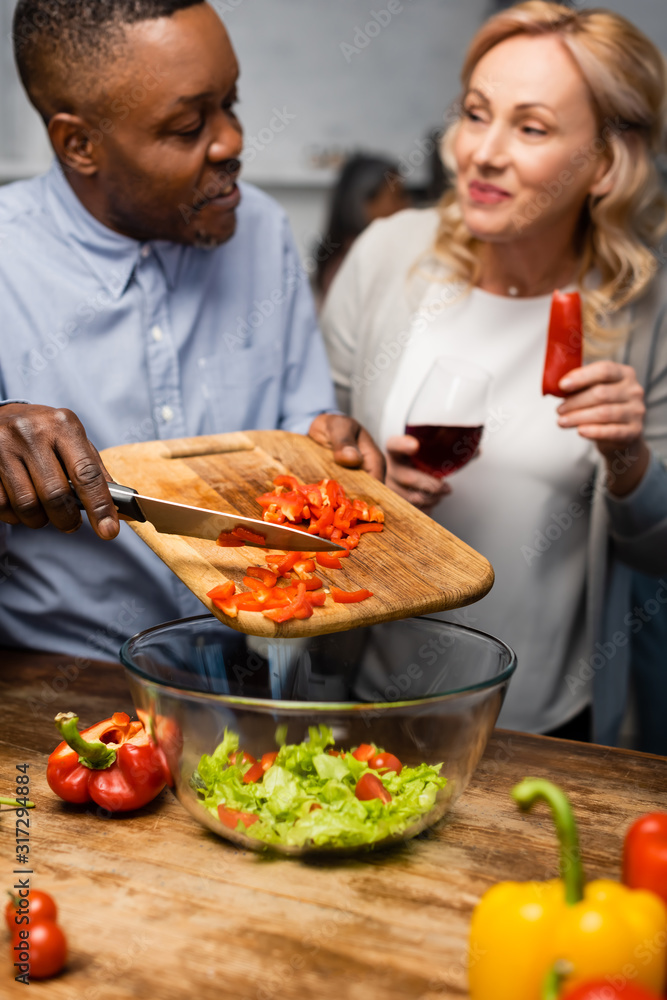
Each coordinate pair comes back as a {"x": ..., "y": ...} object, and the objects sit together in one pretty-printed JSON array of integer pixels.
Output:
[{"x": 520, "y": 929}]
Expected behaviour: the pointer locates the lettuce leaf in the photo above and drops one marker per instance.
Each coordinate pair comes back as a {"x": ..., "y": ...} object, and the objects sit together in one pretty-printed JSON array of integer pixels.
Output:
[{"x": 308, "y": 796}]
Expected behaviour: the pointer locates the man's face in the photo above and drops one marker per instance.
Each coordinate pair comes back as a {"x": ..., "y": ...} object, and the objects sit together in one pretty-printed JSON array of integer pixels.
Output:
[{"x": 167, "y": 168}]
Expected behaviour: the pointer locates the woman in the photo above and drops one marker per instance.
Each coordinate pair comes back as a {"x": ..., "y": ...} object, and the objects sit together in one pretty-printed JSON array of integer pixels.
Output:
[{"x": 555, "y": 187}]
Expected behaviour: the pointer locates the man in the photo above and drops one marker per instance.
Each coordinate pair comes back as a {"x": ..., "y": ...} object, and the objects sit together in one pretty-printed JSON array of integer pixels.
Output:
[{"x": 145, "y": 294}]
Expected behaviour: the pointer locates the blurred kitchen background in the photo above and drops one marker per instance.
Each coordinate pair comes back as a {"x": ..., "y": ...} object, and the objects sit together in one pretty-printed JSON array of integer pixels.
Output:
[{"x": 321, "y": 80}]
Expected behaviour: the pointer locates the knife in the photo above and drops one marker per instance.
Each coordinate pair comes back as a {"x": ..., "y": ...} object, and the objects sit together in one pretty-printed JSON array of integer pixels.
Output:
[{"x": 197, "y": 522}]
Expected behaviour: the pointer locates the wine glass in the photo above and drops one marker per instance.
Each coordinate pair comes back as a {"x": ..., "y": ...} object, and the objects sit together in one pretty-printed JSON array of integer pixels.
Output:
[{"x": 447, "y": 415}]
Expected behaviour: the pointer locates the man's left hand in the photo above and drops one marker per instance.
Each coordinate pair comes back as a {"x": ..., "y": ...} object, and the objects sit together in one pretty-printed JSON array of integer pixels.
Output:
[{"x": 352, "y": 446}]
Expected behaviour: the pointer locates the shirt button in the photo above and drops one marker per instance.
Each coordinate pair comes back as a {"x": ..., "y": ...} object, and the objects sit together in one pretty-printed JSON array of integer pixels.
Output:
[
  {"x": 157, "y": 334},
  {"x": 145, "y": 252},
  {"x": 167, "y": 414}
]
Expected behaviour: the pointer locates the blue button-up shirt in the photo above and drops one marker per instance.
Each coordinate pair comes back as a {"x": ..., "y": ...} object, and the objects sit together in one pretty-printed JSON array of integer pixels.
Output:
[{"x": 141, "y": 341}]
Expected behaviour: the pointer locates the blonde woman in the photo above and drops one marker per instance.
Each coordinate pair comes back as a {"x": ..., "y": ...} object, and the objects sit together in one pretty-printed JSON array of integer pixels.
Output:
[{"x": 553, "y": 154}]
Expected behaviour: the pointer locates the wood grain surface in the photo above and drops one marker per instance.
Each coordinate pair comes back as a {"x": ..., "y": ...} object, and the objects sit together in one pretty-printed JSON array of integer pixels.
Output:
[
  {"x": 412, "y": 567},
  {"x": 155, "y": 906}
]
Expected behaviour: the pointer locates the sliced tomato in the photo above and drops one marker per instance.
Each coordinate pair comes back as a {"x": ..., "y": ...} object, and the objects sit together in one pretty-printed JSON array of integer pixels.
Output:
[
  {"x": 384, "y": 762},
  {"x": 369, "y": 787},
  {"x": 253, "y": 774},
  {"x": 268, "y": 759},
  {"x": 364, "y": 751},
  {"x": 232, "y": 817},
  {"x": 349, "y": 596},
  {"x": 241, "y": 757}
]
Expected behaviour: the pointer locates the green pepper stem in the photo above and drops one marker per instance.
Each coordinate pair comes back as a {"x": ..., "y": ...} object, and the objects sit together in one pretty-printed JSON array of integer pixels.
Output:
[
  {"x": 554, "y": 980},
  {"x": 15, "y": 804},
  {"x": 93, "y": 754},
  {"x": 525, "y": 794}
]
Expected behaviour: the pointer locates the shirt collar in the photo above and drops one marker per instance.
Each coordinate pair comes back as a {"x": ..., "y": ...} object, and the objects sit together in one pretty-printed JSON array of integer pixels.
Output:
[{"x": 111, "y": 256}]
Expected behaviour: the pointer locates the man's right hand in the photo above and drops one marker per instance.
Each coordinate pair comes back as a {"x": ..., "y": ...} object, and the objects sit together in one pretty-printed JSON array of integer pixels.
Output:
[{"x": 40, "y": 449}]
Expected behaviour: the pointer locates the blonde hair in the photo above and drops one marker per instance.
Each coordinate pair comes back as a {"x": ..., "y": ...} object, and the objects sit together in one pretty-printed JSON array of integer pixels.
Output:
[{"x": 627, "y": 79}]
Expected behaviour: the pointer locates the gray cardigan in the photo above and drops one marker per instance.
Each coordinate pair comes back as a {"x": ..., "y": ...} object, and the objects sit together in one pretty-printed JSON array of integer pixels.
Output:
[{"x": 366, "y": 321}]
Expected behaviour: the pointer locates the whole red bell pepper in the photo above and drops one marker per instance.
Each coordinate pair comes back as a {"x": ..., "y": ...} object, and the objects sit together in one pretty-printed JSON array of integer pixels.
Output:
[
  {"x": 645, "y": 854},
  {"x": 115, "y": 763},
  {"x": 564, "y": 341},
  {"x": 615, "y": 987}
]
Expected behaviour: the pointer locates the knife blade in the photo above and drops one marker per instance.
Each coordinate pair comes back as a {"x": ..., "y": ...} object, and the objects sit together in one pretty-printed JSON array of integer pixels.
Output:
[{"x": 171, "y": 518}]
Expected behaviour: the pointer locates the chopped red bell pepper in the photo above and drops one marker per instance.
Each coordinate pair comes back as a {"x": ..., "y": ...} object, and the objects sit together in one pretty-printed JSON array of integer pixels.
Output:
[
  {"x": 645, "y": 854},
  {"x": 229, "y": 540},
  {"x": 115, "y": 763},
  {"x": 360, "y": 529},
  {"x": 268, "y": 578},
  {"x": 349, "y": 596},
  {"x": 329, "y": 560},
  {"x": 222, "y": 591},
  {"x": 564, "y": 342},
  {"x": 249, "y": 536}
]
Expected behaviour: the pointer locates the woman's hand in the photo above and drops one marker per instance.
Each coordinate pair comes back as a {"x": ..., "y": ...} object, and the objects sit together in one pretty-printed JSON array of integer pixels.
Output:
[
  {"x": 417, "y": 487},
  {"x": 606, "y": 405}
]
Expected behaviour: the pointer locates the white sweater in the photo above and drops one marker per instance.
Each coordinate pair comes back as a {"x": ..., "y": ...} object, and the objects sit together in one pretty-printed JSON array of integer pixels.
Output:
[{"x": 366, "y": 323}]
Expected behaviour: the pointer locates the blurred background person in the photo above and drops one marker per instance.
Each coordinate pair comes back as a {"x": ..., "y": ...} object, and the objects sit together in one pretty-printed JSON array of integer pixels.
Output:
[{"x": 368, "y": 188}]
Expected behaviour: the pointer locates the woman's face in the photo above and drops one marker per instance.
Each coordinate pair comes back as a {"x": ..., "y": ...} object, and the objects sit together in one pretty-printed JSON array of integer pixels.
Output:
[{"x": 528, "y": 149}]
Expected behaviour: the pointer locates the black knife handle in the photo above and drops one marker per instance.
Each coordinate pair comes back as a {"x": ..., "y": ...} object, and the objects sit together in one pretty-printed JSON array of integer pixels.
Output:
[{"x": 123, "y": 497}]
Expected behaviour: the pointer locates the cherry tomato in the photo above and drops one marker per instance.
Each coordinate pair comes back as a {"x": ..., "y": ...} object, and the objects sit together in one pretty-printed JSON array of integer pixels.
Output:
[
  {"x": 230, "y": 817},
  {"x": 268, "y": 760},
  {"x": 370, "y": 787},
  {"x": 253, "y": 774},
  {"x": 45, "y": 947},
  {"x": 384, "y": 762},
  {"x": 41, "y": 907},
  {"x": 364, "y": 751}
]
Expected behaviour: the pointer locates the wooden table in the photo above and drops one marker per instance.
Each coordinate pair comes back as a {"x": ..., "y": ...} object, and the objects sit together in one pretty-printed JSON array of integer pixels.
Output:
[{"x": 154, "y": 906}]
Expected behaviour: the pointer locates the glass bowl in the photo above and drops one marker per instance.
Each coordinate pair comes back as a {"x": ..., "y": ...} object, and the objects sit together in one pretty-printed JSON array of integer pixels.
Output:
[{"x": 424, "y": 690}]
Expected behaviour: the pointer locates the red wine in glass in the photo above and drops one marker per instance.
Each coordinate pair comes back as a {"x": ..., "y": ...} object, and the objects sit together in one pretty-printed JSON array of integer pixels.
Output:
[
  {"x": 443, "y": 450},
  {"x": 447, "y": 415}
]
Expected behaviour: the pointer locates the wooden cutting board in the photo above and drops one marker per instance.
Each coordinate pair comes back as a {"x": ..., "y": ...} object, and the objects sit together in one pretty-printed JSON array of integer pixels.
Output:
[{"x": 413, "y": 567}]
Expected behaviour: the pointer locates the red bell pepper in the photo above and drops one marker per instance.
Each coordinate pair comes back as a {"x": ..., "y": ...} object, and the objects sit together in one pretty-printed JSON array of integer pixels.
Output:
[
  {"x": 645, "y": 854},
  {"x": 602, "y": 989},
  {"x": 115, "y": 763},
  {"x": 349, "y": 596},
  {"x": 564, "y": 341}
]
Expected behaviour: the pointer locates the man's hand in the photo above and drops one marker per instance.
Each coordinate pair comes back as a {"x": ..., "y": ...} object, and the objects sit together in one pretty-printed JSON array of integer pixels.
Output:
[
  {"x": 352, "y": 446},
  {"x": 40, "y": 448},
  {"x": 417, "y": 487}
]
